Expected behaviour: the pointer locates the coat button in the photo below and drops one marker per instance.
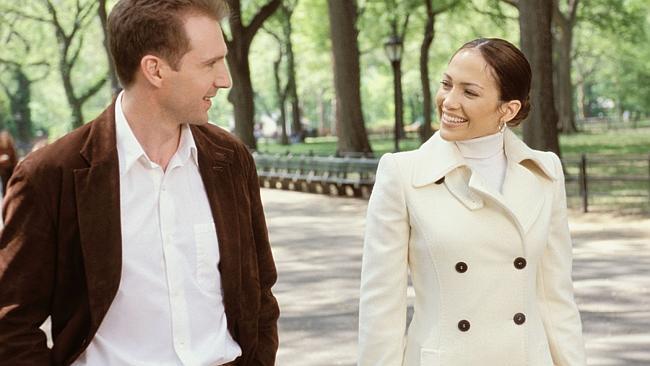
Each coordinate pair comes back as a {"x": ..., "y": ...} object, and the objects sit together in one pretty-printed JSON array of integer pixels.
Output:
[
  {"x": 520, "y": 263},
  {"x": 463, "y": 325},
  {"x": 519, "y": 318},
  {"x": 461, "y": 267}
]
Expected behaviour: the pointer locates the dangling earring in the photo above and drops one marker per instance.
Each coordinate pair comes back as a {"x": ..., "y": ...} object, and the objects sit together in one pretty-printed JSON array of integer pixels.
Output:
[{"x": 502, "y": 126}]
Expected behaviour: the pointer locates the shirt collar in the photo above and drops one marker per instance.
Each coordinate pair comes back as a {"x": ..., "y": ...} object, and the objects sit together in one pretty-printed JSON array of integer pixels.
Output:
[
  {"x": 437, "y": 157},
  {"x": 130, "y": 151},
  {"x": 187, "y": 146},
  {"x": 483, "y": 147},
  {"x": 128, "y": 147}
]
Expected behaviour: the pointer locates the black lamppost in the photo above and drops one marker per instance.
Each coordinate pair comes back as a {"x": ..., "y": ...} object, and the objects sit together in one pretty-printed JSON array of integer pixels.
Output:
[{"x": 393, "y": 48}]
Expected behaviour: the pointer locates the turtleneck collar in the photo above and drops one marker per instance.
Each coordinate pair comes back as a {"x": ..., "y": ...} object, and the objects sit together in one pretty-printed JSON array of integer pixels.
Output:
[{"x": 484, "y": 147}]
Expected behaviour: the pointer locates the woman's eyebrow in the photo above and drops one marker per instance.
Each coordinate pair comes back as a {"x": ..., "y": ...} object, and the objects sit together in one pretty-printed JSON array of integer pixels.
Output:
[{"x": 466, "y": 84}]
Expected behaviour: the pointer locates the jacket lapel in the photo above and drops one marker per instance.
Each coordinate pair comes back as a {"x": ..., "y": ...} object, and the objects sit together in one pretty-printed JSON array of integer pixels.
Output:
[
  {"x": 523, "y": 188},
  {"x": 522, "y": 198},
  {"x": 98, "y": 207},
  {"x": 215, "y": 166},
  {"x": 440, "y": 161}
]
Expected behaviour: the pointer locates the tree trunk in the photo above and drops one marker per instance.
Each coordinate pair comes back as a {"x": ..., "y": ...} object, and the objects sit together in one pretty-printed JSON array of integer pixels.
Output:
[
  {"x": 282, "y": 97},
  {"x": 68, "y": 57},
  {"x": 75, "y": 107},
  {"x": 20, "y": 108},
  {"x": 581, "y": 100},
  {"x": 540, "y": 129},
  {"x": 241, "y": 94},
  {"x": 427, "y": 100},
  {"x": 351, "y": 130},
  {"x": 296, "y": 123},
  {"x": 564, "y": 25},
  {"x": 564, "y": 86},
  {"x": 112, "y": 76}
]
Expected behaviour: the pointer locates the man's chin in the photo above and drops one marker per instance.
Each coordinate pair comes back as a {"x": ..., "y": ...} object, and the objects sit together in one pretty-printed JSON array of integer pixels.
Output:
[{"x": 198, "y": 122}]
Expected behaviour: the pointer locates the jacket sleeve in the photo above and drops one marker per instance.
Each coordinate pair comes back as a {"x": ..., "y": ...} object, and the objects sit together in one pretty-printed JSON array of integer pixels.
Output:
[
  {"x": 27, "y": 273},
  {"x": 555, "y": 287},
  {"x": 384, "y": 273},
  {"x": 269, "y": 311}
]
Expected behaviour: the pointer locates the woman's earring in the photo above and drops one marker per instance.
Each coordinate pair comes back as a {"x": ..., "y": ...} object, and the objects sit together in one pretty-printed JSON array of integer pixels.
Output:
[{"x": 502, "y": 126}]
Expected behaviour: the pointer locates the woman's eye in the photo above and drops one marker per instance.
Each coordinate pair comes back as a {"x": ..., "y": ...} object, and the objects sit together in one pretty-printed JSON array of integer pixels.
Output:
[
  {"x": 445, "y": 84},
  {"x": 471, "y": 93}
]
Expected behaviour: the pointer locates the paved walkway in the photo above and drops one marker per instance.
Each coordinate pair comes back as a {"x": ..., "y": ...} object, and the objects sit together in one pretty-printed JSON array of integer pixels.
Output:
[{"x": 317, "y": 242}]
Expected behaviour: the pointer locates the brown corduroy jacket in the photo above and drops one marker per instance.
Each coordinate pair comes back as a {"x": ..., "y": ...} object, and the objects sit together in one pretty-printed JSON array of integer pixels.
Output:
[{"x": 60, "y": 249}]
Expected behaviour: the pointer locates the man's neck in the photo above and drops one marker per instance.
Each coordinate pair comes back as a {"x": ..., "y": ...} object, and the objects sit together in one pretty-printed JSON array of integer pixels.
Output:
[{"x": 156, "y": 131}]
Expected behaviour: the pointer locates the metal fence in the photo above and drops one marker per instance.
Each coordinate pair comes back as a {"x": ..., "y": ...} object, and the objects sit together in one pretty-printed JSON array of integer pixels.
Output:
[{"x": 594, "y": 182}]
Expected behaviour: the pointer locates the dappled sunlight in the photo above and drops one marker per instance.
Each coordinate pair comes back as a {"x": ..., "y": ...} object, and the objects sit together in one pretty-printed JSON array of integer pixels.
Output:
[{"x": 318, "y": 241}]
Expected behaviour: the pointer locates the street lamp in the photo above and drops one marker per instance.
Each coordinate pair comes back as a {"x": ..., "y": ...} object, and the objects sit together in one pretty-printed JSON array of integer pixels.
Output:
[{"x": 393, "y": 48}]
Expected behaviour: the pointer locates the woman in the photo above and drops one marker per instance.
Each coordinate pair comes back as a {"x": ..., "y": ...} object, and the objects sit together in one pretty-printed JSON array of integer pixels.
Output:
[{"x": 479, "y": 221}]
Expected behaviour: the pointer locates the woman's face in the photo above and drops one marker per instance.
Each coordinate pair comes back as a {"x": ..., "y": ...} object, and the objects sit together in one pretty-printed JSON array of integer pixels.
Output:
[{"x": 468, "y": 99}]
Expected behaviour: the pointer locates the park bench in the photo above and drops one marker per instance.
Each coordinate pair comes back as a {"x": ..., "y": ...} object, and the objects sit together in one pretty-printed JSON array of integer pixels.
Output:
[{"x": 316, "y": 174}]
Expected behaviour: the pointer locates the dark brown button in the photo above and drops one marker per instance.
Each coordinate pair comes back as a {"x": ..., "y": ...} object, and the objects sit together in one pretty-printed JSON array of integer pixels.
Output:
[
  {"x": 461, "y": 267},
  {"x": 463, "y": 325},
  {"x": 520, "y": 263},
  {"x": 519, "y": 318}
]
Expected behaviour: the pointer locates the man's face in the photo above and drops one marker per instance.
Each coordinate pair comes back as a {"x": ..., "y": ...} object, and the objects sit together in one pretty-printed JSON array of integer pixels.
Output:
[{"x": 201, "y": 73}]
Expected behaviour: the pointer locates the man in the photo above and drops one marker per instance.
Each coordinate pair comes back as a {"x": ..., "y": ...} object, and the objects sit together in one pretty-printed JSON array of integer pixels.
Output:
[{"x": 142, "y": 233}]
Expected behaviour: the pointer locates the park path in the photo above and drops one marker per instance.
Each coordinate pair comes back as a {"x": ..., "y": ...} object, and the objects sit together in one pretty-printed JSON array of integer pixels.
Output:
[{"x": 317, "y": 243}]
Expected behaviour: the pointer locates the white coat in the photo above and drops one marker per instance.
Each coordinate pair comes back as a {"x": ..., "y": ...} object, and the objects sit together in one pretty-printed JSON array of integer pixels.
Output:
[{"x": 491, "y": 272}]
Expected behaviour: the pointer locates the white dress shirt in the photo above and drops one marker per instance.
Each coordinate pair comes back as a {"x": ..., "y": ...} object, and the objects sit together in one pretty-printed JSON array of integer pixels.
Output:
[
  {"x": 169, "y": 309},
  {"x": 486, "y": 157}
]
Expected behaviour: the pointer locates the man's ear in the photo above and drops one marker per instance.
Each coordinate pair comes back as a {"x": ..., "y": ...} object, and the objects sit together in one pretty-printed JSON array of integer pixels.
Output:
[
  {"x": 151, "y": 67},
  {"x": 509, "y": 110}
]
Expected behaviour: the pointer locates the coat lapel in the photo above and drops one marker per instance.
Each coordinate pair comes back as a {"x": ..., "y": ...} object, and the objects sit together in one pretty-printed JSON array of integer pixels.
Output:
[
  {"x": 440, "y": 161},
  {"x": 215, "y": 166},
  {"x": 523, "y": 190},
  {"x": 98, "y": 206}
]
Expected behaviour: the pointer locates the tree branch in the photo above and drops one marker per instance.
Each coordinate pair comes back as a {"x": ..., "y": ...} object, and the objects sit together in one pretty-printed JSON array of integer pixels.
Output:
[
  {"x": 259, "y": 19},
  {"x": 573, "y": 10},
  {"x": 54, "y": 20},
  {"x": 5, "y": 61},
  {"x": 443, "y": 8},
  {"x": 73, "y": 60},
  {"x": 92, "y": 90},
  {"x": 404, "y": 26},
  {"x": 26, "y": 15}
]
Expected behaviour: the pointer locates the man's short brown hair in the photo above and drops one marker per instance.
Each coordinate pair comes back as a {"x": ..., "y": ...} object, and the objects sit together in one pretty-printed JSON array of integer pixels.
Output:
[{"x": 140, "y": 27}]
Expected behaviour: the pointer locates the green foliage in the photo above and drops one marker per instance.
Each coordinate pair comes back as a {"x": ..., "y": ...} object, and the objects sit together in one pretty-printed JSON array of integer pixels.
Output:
[
  {"x": 611, "y": 57},
  {"x": 629, "y": 141}
]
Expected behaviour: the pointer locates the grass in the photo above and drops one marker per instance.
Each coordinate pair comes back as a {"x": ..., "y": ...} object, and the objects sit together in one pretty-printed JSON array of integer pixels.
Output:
[
  {"x": 620, "y": 142},
  {"x": 615, "y": 147},
  {"x": 631, "y": 141}
]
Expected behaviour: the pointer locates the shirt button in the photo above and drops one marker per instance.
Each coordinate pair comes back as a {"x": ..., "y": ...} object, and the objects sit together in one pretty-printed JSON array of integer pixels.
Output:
[
  {"x": 520, "y": 263},
  {"x": 461, "y": 267},
  {"x": 519, "y": 318},
  {"x": 463, "y": 325}
]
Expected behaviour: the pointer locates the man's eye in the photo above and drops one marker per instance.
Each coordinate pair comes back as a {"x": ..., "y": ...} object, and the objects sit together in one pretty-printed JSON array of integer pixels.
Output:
[{"x": 445, "y": 84}]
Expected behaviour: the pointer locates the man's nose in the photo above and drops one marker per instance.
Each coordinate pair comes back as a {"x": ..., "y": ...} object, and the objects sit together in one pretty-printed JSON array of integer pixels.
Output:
[{"x": 223, "y": 80}]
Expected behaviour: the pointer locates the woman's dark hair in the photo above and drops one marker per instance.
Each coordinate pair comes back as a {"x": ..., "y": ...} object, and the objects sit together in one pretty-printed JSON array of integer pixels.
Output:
[{"x": 510, "y": 69}]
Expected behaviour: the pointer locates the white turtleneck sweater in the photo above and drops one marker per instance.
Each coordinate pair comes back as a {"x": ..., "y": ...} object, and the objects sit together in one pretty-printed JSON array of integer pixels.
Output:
[{"x": 486, "y": 157}]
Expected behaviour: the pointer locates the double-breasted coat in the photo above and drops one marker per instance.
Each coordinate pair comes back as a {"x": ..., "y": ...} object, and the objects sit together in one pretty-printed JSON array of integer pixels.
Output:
[
  {"x": 61, "y": 248},
  {"x": 491, "y": 271}
]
